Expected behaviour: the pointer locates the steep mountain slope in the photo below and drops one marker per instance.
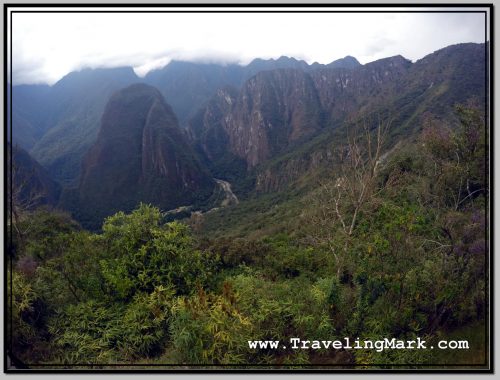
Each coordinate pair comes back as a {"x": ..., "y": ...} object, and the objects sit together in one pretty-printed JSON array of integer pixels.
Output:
[
  {"x": 29, "y": 110},
  {"x": 187, "y": 86},
  {"x": 208, "y": 126},
  {"x": 32, "y": 185},
  {"x": 140, "y": 155},
  {"x": 388, "y": 89},
  {"x": 58, "y": 124},
  {"x": 274, "y": 110},
  {"x": 343, "y": 92},
  {"x": 434, "y": 84},
  {"x": 279, "y": 109},
  {"x": 75, "y": 107}
]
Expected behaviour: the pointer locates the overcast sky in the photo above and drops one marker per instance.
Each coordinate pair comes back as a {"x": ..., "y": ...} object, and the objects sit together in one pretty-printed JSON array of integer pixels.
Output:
[{"x": 46, "y": 46}]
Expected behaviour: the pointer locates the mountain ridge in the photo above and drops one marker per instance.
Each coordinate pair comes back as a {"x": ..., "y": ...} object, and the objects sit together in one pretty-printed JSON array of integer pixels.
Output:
[
  {"x": 391, "y": 88},
  {"x": 390, "y": 85}
]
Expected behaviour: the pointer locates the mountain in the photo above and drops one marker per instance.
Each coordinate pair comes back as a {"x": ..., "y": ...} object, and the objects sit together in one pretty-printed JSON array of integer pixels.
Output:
[
  {"x": 278, "y": 109},
  {"x": 274, "y": 110},
  {"x": 275, "y": 118},
  {"x": 348, "y": 62},
  {"x": 140, "y": 155},
  {"x": 284, "y": 123},
  {"x": 187, "y": 86},
  {"x": 428, "y": 88},
  {"x": 76, "y": 105},
  {"x": 29, "y": 114},
  {"x": 455, "y": 74},
  {"x": 32, "y": 185},
  {"x": 344, "y": 92},
  {"x": 57, "y": 124}
]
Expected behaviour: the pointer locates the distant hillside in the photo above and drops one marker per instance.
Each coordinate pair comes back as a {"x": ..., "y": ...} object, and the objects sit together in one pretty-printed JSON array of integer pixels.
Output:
[{"x": 32, "y": 185}]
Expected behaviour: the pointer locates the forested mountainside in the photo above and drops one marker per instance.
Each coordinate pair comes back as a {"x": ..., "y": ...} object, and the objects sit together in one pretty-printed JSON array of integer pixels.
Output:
[{"x": 222, "y": 205}]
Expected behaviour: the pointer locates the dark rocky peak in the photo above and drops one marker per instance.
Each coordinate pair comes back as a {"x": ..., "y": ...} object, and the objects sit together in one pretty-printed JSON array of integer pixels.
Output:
[
  {"x": 316, "y": 65},
  {"x": 141, "y": 155},
  {"x": 131, "y": 104},
  {"x": 291, "y": 61}
]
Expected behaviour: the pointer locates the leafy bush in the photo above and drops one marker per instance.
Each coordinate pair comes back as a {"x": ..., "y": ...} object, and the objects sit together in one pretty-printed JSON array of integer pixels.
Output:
[
  {"x": 144, "y": 254},
  {"x": 210, "y": 329},
  {"x": 99, "y": 333}
]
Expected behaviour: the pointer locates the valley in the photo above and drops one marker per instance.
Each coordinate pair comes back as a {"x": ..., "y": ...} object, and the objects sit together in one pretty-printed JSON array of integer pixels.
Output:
[{"x": 171, "y": 218}]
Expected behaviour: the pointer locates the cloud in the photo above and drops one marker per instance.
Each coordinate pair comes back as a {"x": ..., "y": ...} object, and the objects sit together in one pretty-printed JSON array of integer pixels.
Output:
[
  {"x": 46, "y": 46},
  {"x": 378, "y": 45}
]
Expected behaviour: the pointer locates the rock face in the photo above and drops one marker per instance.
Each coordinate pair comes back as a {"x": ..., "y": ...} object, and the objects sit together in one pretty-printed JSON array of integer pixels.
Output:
[
  {"x": 209, "y": 125},
  {"x": 276, "y": 110},
  {"x": 141, "y": 155},
  {"x": 345, "y": 91}
]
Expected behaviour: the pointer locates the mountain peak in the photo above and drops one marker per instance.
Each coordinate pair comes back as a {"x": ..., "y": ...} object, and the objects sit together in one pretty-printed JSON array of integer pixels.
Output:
[
  {"x": 347, "y": 62},
  {"x": 141, "y": 155},
  {"x": 394, "y": 61}
]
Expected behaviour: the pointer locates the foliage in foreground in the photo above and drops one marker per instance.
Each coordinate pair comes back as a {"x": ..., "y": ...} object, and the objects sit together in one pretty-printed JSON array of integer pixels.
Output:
[{"x": 412, "y": 264}]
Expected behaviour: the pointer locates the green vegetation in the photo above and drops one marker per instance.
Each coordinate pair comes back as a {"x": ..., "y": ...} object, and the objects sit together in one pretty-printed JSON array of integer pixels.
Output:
[{"x": 385, "y": 247}]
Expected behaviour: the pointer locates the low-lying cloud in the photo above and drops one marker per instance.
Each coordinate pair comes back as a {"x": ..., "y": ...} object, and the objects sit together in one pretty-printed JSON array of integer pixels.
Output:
[{"x": 46, "y": 46}]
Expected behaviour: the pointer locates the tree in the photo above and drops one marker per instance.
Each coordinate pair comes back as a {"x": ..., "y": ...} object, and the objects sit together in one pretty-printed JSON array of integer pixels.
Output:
[
  {"x": 142, "y": 253},
  {"x": 456, "y": 159},
  {"x": 340, "y": 200}
]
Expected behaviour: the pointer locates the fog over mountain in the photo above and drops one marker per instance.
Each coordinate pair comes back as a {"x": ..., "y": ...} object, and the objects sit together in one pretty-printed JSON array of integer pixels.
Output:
[{"x": 48, "y": 46}]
